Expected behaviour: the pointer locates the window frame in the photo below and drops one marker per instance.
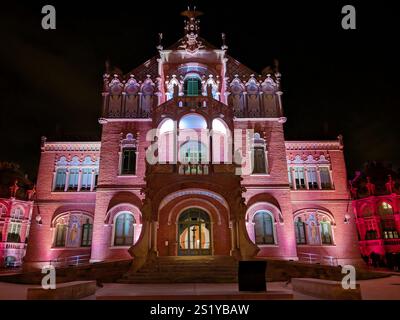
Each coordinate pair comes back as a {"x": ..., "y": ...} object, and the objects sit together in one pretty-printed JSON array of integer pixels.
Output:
[
  {"x": 87, "y": 229},
  {"x": 132, "y": 157},
  {"x": 264, "y": 213},
  {"x": 124, "y": 243}
]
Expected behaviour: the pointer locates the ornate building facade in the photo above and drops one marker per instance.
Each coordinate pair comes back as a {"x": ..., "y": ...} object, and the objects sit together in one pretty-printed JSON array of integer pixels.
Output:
[
  {"x": 376, "y": 203},
  {"x": 15, "y": 221},
  {"x": 192, "y": 161}
]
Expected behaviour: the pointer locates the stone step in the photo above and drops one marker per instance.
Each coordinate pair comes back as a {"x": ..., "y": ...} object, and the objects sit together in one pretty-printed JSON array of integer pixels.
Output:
[
  {"x": 183, "y": 268},
  {"x": 213, "y": 269}
]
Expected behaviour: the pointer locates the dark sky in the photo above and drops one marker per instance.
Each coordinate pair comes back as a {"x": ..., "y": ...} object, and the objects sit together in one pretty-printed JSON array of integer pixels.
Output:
[{"x": 334, "y": 80}]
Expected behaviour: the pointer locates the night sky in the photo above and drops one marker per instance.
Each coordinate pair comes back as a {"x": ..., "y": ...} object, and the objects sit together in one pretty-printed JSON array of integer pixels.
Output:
[{"x": 334, "y": 81}]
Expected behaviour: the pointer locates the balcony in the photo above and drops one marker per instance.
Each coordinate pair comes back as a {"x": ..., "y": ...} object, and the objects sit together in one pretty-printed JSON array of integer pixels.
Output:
[
  {"x": 379, "y": 242},
  {"x": 192, "y": 169},
  {"x": 189, "y": 169},
  {"x": 12, "y": 245},
  {"x": 391, "y": 242}
]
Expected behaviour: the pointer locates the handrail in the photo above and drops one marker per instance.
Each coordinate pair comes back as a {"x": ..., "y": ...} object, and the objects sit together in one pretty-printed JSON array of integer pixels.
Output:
[
  {"x": 71, "y": 260},
  {"x": 317, "y": 258}
]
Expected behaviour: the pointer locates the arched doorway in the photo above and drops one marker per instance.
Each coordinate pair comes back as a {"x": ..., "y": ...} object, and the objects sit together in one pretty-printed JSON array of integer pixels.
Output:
[{"x": 194, "y": 233}]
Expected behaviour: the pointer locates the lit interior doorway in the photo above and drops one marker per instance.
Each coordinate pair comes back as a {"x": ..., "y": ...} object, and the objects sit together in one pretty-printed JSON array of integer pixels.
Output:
[{"x": 194, "y": 233}]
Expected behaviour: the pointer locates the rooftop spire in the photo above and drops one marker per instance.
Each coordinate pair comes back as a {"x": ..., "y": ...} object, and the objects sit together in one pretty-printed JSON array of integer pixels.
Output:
[
  {"x": 192, "y": 24},
  {"x": 192, "y": 29}
]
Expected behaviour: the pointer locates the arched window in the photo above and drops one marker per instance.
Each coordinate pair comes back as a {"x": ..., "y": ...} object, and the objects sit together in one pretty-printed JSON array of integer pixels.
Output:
[
  {"x": 264, "y": 228},
  {"x": 167, "y": 126},
  {"x": 73, "y": 230},
  {"x": 128, "y": 161},
  {"x": 87, "y": 230},
  {"x": 219, "y": 126},
  {"x": 86, "y": 183},
  {"x": 192, "y": 86},
  {"x": 14, "y": 232},
  {"x": 312, "y": 178},
  {"x": 17, "y": 213},
  {"x": 73, "y": 179},
  {"x": 326, "y": 232},
  {"x": 258, "y": 154},
  {"x": 124, "y": 225},
  {"x": 167, "y": 141},
  {"x": 192, "y": 121},
  {"x": 61, "y": 232},
  {"x": 299, "y": 177},
  {"x": 220, "y": 142},
  {"x": 3, "y": 210},
  {"x": 326, "y": 182},
  {"x": 193, "y": 152},
  {"x": 300, "y": 231},
  {"x": 61, "y": 177},
  {"x": 385, "y": 209}
]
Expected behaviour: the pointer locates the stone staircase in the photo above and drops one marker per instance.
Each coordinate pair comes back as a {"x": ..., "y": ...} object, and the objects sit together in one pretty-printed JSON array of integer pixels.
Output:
[{"x": 202, "y": 269}]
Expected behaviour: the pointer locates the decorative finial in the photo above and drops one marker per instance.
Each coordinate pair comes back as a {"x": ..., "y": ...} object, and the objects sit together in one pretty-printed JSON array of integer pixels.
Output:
[
  {"x": 192, "y": 29},
  {"x": 160, "y": 37},
  {"x": 224, "y": 46},
  {"x": 14, "y": 189}
]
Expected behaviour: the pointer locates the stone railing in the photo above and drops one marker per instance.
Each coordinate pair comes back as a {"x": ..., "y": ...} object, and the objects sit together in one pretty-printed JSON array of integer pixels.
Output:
[
  {"x": 391, "y": 242},
  {"x": 314, "y": 258},
  {"x": 193, "y": 169},
  {"x": 12, "y": 245}
]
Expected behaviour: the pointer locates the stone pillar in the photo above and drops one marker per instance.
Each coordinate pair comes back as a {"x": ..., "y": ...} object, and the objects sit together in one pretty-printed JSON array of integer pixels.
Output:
[
  {"x": 66, "y": 180},
  {"x": 154, "y": 228},
  {"x": 234, "y": 239},
  {"x": 293, "y": 178},
  {"x": 79, "y": 180},
  {"x": 53, "y": 187},
  {"x": 330, "y": 178},
  {"x": 319, "y": 178},
  {"x": 93, "y": 180},
  {"x": 306, "y": 177}
]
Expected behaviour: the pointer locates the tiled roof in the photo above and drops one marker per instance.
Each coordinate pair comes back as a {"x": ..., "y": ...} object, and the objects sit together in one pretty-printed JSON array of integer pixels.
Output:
[{"x": 150, "y": 67}]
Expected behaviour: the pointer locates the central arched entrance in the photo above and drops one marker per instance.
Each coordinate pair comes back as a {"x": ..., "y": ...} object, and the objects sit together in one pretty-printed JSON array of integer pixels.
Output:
[{"x": 194, "y": 233}]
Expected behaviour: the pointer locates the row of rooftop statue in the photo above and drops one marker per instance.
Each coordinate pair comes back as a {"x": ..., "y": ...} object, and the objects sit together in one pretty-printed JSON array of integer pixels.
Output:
[{"x": 136, "y": 99}]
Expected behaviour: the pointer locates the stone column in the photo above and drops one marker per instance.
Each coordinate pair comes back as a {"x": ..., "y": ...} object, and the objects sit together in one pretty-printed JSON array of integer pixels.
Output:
[
  {"x": 66, "y": 180},
  {"x": 53, "y": 187},
  {"x": 319, "y": 178},
  {"x": 93, "y": 180},
  {"x": 330, "y": 178},
  {"x": 293, "y": 178},
  {"x": 79, "y": 180},
  {"x": 306, "y": 177}
]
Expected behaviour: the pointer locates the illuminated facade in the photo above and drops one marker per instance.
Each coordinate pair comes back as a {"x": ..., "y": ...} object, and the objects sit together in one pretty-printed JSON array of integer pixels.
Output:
[
  {"x": 15, "y": 221},
  {"x": 376, "y": 203},
  {"x": 192, "y": 161}
]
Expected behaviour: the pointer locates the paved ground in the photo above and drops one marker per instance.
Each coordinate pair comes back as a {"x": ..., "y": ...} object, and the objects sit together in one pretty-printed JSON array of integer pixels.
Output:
[{"x": 376, "y": 289}]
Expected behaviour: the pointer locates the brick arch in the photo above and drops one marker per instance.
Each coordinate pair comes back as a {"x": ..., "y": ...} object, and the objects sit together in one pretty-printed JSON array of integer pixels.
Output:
[
  {"x": 318, "y": 210},
  {"x": 264, "y": 206},
  {"x": 200, "y": 203},
  {"x": 170, "y": 192},
  {"x": 67, "y": 209},
  {"x": 124, "y": 197},
  {"x": 263, "y": 197},
  {"x": 109, "y": 219},
  {"x": 168, "y": 217}
]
